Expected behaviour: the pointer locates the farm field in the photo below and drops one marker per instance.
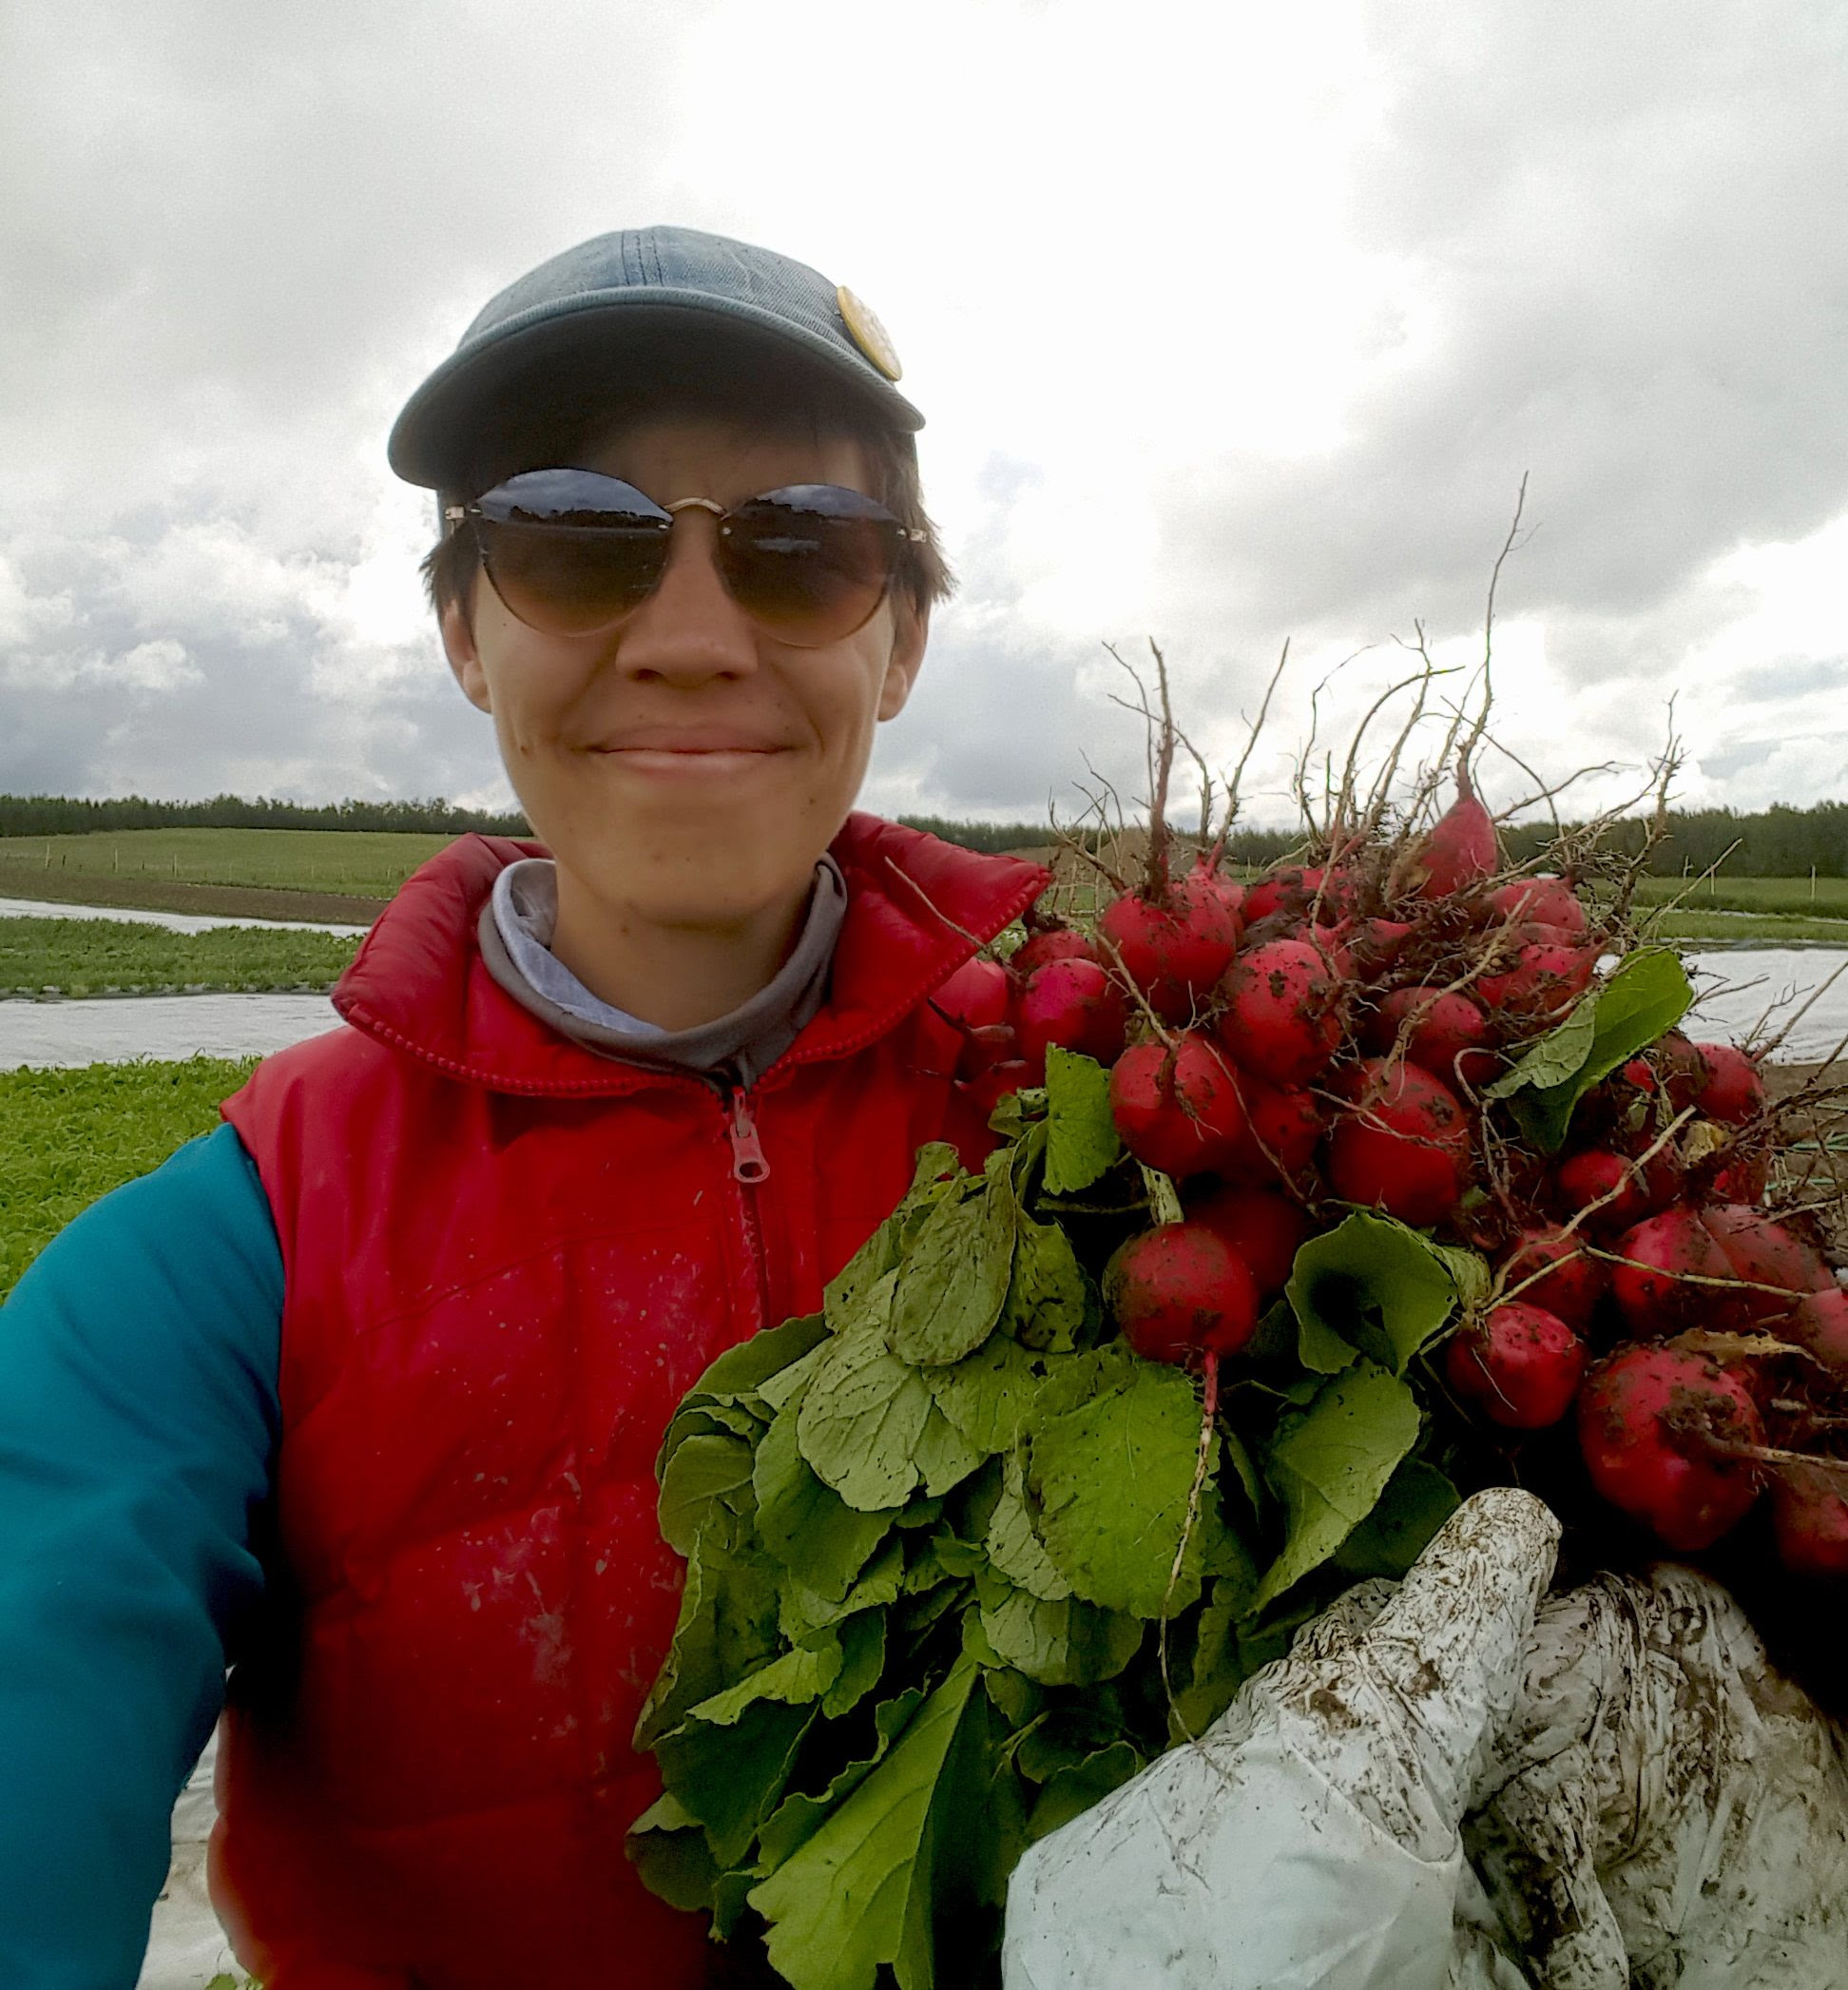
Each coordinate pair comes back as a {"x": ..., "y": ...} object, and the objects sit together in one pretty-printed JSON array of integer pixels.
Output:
[
  {"x": 301, "y": 873},
  {"x": 1745, "y": 929},
  {"x": 195, "y": 869},
  {"x": 1803, "y": 897},
  {"x": 77, "y": 957},
  {"x": 70, "y": 1137}
]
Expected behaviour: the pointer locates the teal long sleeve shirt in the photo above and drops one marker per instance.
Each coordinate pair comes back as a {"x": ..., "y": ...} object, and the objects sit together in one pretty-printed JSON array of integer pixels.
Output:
[{"x": 139, "y": 1418}]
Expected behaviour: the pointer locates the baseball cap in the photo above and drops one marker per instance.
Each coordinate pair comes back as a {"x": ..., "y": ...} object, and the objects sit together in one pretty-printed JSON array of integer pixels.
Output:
[{"x": 624, "y": 304}]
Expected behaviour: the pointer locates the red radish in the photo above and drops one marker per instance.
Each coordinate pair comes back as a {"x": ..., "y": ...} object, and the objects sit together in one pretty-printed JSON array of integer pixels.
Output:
[
  {"x": 1264, "y": 1229},
  {"x": 1766, "y": 1254},
  {"x": 1460, "y": 850},
  {"x": 1819, "y": 1325},
  {"x": 1545, "y": 902},
  {"x": 1683, "y": 1073},
  {"x": 1632, "y": 1123},
  {"x": 1746, "y": 1178},
  {"x": 1075, "y": 1004},
  {"x": 1206, "y": 881},
  {"x": 1375, "y": 944},
  {"x": 1327, "y": 941},
  {"x": 1522, "y": 1363},
  {"x": 1570, "y": 1280},
  {"x": 989, "y": 1087},
  {"x": 1283, "y": 1128},
  {"x": 1547, "y": 976},
  {"x": 1653, "y": 1425},
  {"x": 1173, "y": 952},
  {"x": 1809, "y": 1515},
  {"x": 982, "y": 1049},
  {"x": 1734, "y": 1091},
  {"x": 1049, "y": 944},
  {"x": 1640, "y": 1073},
  {"x": 1180, "y": 1292},
  {"x": 1327, "y": 895},
  {"x": 1177, "y": 1109},
  {"x": 1283, "y": 1014},
  {"x": 1279, "y": 891},
  {"x": 976, "y": 994},
  {"x": 1403, "y": 1145},
  {"x": 1655, "y": 1286},
  {"x": 1438, "y": 1029},
  {"x": 1584, "y": 1178}
]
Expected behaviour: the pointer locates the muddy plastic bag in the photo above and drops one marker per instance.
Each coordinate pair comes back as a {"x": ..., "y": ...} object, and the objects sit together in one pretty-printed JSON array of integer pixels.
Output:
[
  {"x": 1455, "y": 1784},
  {"x": 1665, "y": 1807},
  {"x": 1309, "y": 1840}
]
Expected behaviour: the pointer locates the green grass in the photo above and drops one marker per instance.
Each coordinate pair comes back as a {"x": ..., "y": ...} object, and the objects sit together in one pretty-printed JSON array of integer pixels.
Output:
[
  {"x": 360, "y": 863},
  {"x": 70, "y": 1137},
  {"x": 87, "y": 956},
  {"x": 1823, "y": 898},
  {"x": 1746, "y": 929}
]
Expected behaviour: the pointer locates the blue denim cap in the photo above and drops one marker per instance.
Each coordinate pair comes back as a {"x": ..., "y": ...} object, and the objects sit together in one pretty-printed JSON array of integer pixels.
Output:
[{"x": 633, "y": 297}]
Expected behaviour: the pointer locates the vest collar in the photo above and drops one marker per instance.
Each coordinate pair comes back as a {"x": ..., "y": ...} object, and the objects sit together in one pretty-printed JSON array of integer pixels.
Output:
[{"x": 916, "y": 909}]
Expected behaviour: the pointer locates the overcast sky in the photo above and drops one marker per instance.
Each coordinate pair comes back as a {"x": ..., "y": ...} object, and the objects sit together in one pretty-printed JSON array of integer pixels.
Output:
[{"x": 1232, "y": 323}]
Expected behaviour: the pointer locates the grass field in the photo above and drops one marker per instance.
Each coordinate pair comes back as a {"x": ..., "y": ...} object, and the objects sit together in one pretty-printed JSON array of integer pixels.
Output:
[
  {"x": 336, "y": 874},
  {"x": 96, "y": 957},
  {"x": 1820, "y": 897},
  {"x": 355, "y": 863},
  {"x": 69, "y": 1136},
  {"x": 1724, "y": 929}
]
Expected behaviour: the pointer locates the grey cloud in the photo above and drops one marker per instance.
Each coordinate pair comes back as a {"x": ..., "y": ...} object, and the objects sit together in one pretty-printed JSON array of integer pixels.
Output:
[
  {"x": 228, "y": 691},
  {"x": 1002, "y": 718},
  {"x": 997, "y": 728},
  {"x": 230, "y": 229},
  {"x": 1623, "y": 273},
  {"x": 1792, "y": 677},
  {"x": 234, "y": 236}
]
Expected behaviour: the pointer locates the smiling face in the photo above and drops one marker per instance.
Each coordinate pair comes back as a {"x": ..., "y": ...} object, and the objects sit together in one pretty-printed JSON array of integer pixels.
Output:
[{"x": 688, "y": 768}]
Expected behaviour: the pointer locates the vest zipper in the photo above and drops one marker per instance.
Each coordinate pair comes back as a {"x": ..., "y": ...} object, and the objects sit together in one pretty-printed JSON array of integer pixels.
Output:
[
  {"x": 748, "y": 1163},
  {"x": 749, "y": 1168}
]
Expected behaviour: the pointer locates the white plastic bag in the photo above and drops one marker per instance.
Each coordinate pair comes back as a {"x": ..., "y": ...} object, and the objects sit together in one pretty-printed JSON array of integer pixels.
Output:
[
  {"x": 1309, "y": 1840},
  {"x": 1453, "y": 1786},
  {"x": 1665, "y": 1807}
]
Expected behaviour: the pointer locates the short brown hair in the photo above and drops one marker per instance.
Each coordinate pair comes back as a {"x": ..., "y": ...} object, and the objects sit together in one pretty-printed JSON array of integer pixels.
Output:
[{"x": 558, "y": 418}]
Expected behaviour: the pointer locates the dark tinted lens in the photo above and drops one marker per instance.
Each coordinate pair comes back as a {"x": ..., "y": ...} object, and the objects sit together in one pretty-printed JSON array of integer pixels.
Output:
[
  {"x": 569, "y": 551},
  {"x": 812, "y": 563}
]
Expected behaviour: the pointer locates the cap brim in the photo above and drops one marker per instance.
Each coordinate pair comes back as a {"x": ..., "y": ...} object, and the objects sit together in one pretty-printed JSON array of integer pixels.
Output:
[{"x": 541, "y": 367}]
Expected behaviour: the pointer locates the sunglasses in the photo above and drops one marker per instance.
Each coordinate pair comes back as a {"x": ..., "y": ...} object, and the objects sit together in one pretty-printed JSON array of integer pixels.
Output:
[{"x": 572, "y": 552}]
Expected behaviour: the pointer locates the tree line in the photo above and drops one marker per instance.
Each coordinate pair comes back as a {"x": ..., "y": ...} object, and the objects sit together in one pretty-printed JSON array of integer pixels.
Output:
[
  {"x": 1775, "y": 842},
  {"x": 63, "y": 815},
  {"x": 1778, "y": 841}
]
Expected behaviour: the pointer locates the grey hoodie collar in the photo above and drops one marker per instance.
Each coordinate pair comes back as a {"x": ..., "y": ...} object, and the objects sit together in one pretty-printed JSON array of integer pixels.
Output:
[{"x": 514, "y": 933}]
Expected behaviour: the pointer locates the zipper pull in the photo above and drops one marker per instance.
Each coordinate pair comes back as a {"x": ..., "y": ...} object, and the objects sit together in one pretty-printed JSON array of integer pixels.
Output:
[{"x": 748, "y": 1163}]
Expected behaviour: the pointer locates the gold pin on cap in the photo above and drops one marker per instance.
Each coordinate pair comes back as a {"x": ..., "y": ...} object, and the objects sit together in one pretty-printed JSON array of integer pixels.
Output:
[{"x": 868, "y": 334}]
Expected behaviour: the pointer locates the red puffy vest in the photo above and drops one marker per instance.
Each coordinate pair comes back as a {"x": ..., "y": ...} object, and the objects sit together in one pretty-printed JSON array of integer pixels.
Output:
[{"x": 507, "y": 1260}]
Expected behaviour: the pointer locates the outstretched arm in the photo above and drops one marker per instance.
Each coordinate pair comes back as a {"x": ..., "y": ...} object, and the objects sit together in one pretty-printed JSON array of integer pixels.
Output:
[{"x": 137, "y": 1416}]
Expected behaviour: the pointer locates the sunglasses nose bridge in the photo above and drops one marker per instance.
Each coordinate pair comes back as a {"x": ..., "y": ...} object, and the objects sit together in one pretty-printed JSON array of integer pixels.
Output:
[{"x": 693, "y": 589}]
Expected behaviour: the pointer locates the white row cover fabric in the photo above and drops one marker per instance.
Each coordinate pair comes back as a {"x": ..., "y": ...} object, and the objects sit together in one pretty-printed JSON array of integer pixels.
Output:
[{"x": 1454, "y": 1785}]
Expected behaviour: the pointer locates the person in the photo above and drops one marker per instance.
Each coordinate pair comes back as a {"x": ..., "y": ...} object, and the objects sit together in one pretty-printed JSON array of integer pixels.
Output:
[{"x": 358, "y": 1397}]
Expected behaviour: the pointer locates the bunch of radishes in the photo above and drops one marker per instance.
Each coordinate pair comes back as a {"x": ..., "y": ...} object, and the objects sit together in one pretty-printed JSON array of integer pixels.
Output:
[{"x": 1322, "y": 1037}]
